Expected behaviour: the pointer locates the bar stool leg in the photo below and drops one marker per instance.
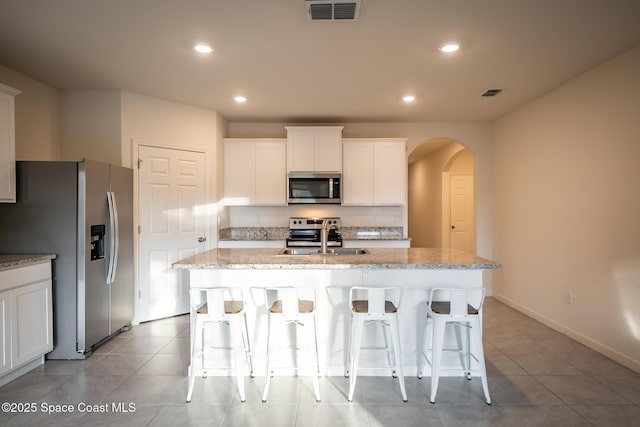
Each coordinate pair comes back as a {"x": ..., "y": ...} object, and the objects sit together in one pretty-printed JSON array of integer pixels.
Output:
[
  {"x": 397, "y": 354},
  {"x": 310, "y": 329},
  {"x": 389, "y": 349},
  {"x": 464, "y": 332},
  {"x": 477, "y": 337},
  {"x": 267, "y": 371},
  {"x": 347, "y": 368},
  {"x": 356, "y": 339},
  {"x": 238, "y": 351},
  {"x": 438, "y": 344},
  {"x": 246, "y": 345},
  {"x": 426, "y": 346},
  {"x": 198, "y": 333}
]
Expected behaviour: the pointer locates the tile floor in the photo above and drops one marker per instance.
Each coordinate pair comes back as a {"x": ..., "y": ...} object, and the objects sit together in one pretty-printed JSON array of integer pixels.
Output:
[{"x": 537, "y": 377}]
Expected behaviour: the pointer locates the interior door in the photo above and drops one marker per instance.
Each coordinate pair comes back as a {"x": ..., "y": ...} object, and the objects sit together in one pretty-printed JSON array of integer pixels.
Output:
[
  {"x": 462, "y": 216},
  {"x": 172, "y": 219}
]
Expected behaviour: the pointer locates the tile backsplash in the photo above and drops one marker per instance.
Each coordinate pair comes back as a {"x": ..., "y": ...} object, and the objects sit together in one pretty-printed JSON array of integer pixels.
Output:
[{"x": 350, "y": 216}]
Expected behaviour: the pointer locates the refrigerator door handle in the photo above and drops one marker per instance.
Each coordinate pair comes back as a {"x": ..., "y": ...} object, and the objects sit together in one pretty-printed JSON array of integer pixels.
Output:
[{"x": 113, "y": 253}]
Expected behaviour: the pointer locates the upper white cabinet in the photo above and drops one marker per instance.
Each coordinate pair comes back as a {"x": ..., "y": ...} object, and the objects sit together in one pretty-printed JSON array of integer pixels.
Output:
[
  {"x": 255, "y": 172},
  {"x": 314, "y": 148},
  {"x": 7, "y": 144},
  {"x": 374, "y": 172}
]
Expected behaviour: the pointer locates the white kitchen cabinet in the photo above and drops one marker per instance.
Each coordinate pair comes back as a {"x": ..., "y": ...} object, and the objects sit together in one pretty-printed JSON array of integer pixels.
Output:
[
  {"x": 7, "y": 144},
  {"x": 255, "y": 172},
  {"x": 5, "y": 331},
  {"x": 26, "y": 313},
  {"x": 314, "y": 148},
  {"x": 374, "y": 172}
]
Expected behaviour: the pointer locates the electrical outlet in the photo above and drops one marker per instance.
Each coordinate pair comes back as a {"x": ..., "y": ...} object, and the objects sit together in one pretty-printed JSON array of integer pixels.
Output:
[
  {"x": 258, "y": 219},
  {"x": 397, "y": 219},
  {"x": 569, "y": 297},
  {"x": 374, "y": 219}
]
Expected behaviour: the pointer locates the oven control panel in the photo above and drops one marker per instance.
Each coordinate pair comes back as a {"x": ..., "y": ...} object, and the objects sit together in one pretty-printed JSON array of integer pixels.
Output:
[{"x": 311, "y": 223}]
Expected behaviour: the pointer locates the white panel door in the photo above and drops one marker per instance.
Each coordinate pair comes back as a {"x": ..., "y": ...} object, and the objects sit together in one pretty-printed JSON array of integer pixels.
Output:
[
  {"x": 172, "y": 219},
  {"x": 462, "y": 222}
]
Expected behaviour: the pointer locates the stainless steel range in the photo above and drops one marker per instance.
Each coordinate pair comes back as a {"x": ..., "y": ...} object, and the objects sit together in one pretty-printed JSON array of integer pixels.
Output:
[{"x": 307, "y": 232}]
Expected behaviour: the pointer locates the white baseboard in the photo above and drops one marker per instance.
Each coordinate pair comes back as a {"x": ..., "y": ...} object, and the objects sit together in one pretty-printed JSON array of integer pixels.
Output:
[{"x": 581, "y": 338}]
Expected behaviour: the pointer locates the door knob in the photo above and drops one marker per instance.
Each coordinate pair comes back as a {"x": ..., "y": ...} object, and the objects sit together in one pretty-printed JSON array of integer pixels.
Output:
[
  {"x": 453, "y": 227},
  {"x": 202, "y": 239}
]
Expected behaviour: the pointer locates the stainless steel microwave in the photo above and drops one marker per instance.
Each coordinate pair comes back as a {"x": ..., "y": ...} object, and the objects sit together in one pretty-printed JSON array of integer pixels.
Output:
[{"x": 314, "y": 187}]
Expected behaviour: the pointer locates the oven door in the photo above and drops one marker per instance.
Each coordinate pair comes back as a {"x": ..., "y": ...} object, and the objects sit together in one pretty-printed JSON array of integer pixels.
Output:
[
  {"x": 304, "y": 238},
  {"x": 311, "y": 238}
]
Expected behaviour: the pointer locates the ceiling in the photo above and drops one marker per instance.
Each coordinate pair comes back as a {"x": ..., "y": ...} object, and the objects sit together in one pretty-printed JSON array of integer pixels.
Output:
[{"x": 300, "y": 71}]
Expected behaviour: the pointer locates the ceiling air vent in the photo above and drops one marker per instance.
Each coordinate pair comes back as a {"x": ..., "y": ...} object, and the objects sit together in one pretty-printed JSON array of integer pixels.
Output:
[
  {"x": 491, "y": 92},
  {"x": 333, "y": 10}
]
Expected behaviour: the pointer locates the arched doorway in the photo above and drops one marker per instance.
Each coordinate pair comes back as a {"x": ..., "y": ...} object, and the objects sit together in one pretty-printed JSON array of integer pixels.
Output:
[{"x": 433, "y": 166}]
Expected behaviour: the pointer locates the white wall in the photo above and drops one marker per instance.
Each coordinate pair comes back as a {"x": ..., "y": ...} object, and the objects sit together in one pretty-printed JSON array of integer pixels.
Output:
[
  {"x": 567, "y": 208},
  {"x": 37, "y": 117},
  {"x": 90, "y": 126},
  {"x": 425, "y": 196},
  {"x": 174, "y": 125}
]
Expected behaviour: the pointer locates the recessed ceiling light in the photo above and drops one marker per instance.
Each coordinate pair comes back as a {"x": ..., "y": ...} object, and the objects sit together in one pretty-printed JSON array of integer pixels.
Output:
[
  {"x": 240, "y": 99},
  {"x": 450, "y": 47},
  {"x": 203, "y": 48},
  {"x": 408, "y": 98}
]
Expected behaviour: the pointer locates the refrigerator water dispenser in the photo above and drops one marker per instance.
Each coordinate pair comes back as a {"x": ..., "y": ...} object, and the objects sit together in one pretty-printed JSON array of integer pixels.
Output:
[{"x": 97, "y": 242}]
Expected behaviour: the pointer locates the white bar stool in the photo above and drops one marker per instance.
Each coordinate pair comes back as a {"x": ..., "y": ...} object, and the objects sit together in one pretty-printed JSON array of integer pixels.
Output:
[
  {"x": 220, "y": 305},
  {"x": 463, "y": 309},
  {"x": 297, "y": 306},
  {"x": 374, "y": 306}
]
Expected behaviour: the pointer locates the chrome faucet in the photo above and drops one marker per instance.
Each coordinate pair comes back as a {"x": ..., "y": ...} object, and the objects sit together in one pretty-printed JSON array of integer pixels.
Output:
[{"x": 324, "y": 235}]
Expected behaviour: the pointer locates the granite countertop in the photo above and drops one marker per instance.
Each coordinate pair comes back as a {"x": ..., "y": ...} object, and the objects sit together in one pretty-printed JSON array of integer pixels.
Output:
[
  {"x": 8, "y": 261},
  {"x": 281, "y": 233},
  {"x": 377, "y": 258}
]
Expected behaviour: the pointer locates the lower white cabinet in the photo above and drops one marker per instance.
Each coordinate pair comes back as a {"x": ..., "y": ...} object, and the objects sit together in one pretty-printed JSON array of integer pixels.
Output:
[{"x": 26, "y": 317}]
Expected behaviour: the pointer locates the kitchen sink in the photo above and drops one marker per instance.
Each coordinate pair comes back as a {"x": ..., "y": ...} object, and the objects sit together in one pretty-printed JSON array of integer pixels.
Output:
[{"x": 316, "y": 251}]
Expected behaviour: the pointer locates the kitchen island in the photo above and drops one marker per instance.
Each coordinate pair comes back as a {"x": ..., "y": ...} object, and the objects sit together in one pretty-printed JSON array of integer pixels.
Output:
[{"x": 415, "y": 270}]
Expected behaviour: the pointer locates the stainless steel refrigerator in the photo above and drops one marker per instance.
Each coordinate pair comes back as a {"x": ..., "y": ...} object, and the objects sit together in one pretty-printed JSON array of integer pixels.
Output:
[{"x": 83, "y": 213}]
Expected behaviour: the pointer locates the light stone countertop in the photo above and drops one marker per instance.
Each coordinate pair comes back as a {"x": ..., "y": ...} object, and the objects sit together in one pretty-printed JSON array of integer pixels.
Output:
[
  {"x": 377, "y": 258},
  {"x": 281, "y": 233},
  {"x": 9, "y": 261}
]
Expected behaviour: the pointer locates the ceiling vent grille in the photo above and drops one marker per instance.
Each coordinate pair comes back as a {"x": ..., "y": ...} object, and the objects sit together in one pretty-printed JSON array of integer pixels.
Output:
[
  {"x": 333, "y": 10},
  {"x": 491, "y": 92}
]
